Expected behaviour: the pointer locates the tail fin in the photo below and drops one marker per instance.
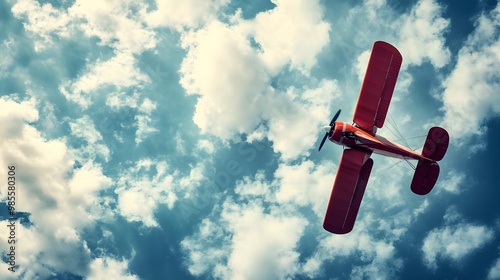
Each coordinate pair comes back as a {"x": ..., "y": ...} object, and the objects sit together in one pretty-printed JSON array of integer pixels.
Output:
[
  {"x": 426, "y": 175},
  {"x": 427, "y": 171},
  {"x": 436, "y": 144}
]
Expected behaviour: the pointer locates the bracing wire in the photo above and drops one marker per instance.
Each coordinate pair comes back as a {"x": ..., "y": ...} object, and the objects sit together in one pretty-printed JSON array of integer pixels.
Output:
[
  {"x": 385, "y": 170},
  {"x": 410, "y": 138},
  {"x": 399, "y": 134},
  {"x": 410, "y": 164}
]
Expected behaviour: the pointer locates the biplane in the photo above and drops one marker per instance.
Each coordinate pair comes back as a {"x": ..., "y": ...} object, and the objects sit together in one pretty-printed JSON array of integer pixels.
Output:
[{"x": 360, "y": 141}]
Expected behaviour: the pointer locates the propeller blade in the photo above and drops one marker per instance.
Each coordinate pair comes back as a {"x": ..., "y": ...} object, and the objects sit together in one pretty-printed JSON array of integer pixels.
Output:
[
  {"x": 335, "y": 117},
  {"x": 322, "y": 142},
  {"x": 332, "y": 127}
]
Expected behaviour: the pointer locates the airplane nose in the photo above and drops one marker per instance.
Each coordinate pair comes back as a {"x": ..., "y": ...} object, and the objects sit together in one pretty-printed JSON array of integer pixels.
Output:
[{"x": 327, "y": 128}]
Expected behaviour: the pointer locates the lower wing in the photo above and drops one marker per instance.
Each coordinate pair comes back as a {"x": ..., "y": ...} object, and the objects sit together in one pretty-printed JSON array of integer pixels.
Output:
[{"x": 348, "y": 189}]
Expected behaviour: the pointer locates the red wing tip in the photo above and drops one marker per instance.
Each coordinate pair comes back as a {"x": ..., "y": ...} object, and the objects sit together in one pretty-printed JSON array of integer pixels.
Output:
[
  {"x": 336, "y": 230},
  {"x": 387, "y": 46}
]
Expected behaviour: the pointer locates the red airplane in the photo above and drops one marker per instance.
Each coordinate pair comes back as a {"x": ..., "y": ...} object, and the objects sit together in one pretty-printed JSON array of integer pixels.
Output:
[{"x": 361, "y": 141}]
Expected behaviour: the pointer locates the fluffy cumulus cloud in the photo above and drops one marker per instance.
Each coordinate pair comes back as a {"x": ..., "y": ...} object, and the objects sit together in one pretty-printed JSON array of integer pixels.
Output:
[
  {"x": 190, "y": 13},
  {"x": 280, "y": 34},
  {"x": 471, "y": 90},
  {"x": 223, "y": 69},
  {"x": 455, "y": 241},
  {"x": 421, "y": 34},
  {"x": 248, "y": 242},
  {"x": 233, "y": 78},
  {"x": 293, "y": 119},
  {"x": 108, "y": 268},
  {"x": 44, "y": 21},
  {"x": 117, "y": 25},
  {"x": 373, "y": 242},
  {"x": 255, "y": 234},
  {"x": 139, "y": 194},
  {"x": 233, "y": 229},
  {"x": 84, "y": 128},
  {"x": 453, "y": 182},
  {"x": 61, "y": 201},
  {"x": 143, "y": 107},
  {"x": 494, "y": 272},
  {"x": 119, "y": 72},
  {"x": 149, "y": 183},
  {"x": 378, "y": 256},
  {"x": 304, "y": 184}
]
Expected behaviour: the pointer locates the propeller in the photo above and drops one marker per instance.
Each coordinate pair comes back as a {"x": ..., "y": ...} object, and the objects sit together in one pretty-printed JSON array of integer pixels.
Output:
[{"x": 329, "y": 129}]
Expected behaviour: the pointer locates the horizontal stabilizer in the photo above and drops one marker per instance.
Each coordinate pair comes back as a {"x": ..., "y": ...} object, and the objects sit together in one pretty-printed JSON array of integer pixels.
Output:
[
  {"x": 426, "y": 175},
  {"x": 436, "y": 144}
]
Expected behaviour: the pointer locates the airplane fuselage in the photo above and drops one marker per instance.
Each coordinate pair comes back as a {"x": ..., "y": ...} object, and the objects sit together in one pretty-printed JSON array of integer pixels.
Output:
[{"x": 354, "y": 137}]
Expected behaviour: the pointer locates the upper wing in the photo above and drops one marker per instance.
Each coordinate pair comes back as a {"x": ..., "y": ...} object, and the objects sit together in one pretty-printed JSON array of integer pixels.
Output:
[
  {"x": 378, "y": 86},
  {"x": 348, "y": 189}
]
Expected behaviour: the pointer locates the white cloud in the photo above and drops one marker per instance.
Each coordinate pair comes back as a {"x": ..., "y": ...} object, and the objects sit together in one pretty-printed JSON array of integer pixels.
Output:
[
  {"x": 222, "y": 68},
  {"x": 264, "y": 246},
  {"x": 143, "y": 120},
  {"x": 196, "y": 175},
  {"x": 388, "y": 182},
  {"x": 452, "y": 215},
  {"x": 115, "y": 23},
  {"x": 452, "y": 183},
  {"x": 494, "y": 272},
  {"x": 62, "y": 202},
  {"x": 418, "y": 34},
  {"x": 305, "y": 184},
  {"x": 189, "y": 13},
  {"x": 149, "y": 183},
  {"x": 421, "y": 34},
  {"x": 454, "y": 242},
  {"x": 377, "y": 256},
  {"x": 237, "y": 96},
  {"x": 372, "y": 242},
  {"x": 144, "y": 127},
  {"x": 84, "y": 128},
  {"x": 15, "y": 114},
  {"x": 471, "y": 90},
  {"x": 108, "y": 268},
  {"x": 256, "y": 234},
  {"x": 43, "y": 21},
  {"x": 293, "y": 188},
  {"x": 120, "y": 71},
  {"x": 140, "y": 194},
  {"x": 280, "y": 34},
  {"x": 294, "y": 119},
  {"x": 117, "y": 100},
  {"x": 386, "y": 214},
  {"x": 206, "y": 145},
  {"x": 256, "y": 244}
]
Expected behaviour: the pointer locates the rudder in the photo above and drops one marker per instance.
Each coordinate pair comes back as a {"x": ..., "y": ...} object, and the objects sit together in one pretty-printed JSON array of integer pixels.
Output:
[
  {"x": 425, "y": 177},
  {"x": 436, "y": 144}
]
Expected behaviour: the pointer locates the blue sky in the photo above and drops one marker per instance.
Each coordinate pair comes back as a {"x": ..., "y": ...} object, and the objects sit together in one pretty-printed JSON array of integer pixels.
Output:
[{"x": 177, "y": 140}]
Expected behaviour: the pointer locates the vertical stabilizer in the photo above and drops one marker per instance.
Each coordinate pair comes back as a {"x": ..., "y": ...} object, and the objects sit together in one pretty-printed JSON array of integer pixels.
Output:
[{"x": 436, "y": 144}]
